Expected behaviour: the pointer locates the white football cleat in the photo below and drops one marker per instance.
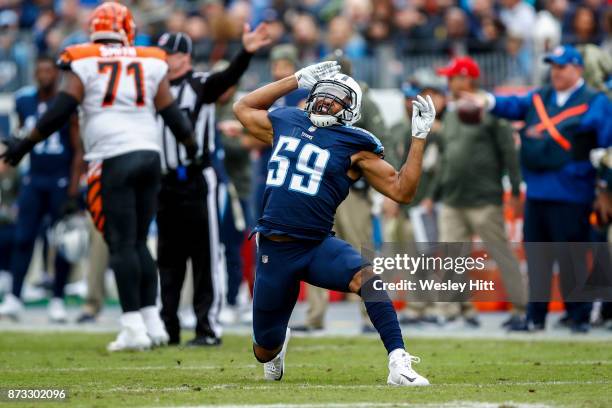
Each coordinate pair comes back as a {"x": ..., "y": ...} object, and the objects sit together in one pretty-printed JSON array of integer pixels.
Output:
[
  {"x": 11, "y": 307},
  {"x": 228, "y": 315},
  {"x": 57, "y": 311},
  {"x": 133, "y": 334},
  {"x": 275, "y": 368},
  {"x": 401, "y": 372},
  {"x": 155, "y": 327}
]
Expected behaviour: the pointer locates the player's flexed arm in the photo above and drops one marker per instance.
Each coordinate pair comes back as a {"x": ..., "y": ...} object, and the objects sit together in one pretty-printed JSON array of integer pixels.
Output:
[
  {"x": 252, "y": 109},
  {"x": 400, "y": 185}
]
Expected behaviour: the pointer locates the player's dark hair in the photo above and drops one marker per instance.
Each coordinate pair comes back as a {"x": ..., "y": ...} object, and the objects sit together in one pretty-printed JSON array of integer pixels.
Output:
[{"x": 42, "y": 58}]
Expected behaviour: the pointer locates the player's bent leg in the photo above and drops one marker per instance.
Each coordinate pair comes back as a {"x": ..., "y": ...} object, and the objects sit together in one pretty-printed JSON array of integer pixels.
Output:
[
  {"x": 338, "y": 266},
  {"x": 385, "y": 321},
  {"x": 274, "y": 295},
  {"x": 270, "y": 338}
]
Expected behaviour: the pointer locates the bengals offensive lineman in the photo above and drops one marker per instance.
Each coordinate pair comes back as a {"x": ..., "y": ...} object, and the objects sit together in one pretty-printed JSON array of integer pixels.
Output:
[{"x": 119, "y": 88}]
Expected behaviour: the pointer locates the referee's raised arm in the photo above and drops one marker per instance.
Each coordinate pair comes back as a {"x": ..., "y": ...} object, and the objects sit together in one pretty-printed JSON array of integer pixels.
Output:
[{"x": 216, "y": 84}]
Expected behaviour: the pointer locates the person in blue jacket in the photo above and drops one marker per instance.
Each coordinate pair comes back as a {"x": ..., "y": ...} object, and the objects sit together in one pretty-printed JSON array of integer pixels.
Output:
[
  {"x": 49, "y": 189},
  {"x": 564, "y": 121}
]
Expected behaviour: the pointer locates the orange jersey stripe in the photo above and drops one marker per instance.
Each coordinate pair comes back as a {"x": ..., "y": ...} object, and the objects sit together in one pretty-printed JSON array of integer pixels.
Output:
[
  {"x": 88, "y": 50},
  {"x": 93, "y": 191},
  {"x": 80, "y": 51},
  {"x": 96, "y": 206}
]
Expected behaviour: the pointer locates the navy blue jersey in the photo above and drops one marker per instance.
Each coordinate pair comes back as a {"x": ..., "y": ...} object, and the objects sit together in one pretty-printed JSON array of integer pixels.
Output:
[
  {"x": 307, "y": 174},
  {"x": 51, "y": 158}
]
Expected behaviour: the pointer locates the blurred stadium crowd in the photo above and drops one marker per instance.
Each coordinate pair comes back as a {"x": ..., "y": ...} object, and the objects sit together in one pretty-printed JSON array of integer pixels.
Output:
[
  {"x": 397, "y": 35},
  {"x": 384, "y": 44}
]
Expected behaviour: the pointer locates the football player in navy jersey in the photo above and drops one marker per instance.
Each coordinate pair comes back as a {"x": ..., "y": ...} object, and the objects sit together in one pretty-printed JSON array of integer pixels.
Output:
[
  {"x": 317, "y": 155},
  {"x": 50, "y": 187}
]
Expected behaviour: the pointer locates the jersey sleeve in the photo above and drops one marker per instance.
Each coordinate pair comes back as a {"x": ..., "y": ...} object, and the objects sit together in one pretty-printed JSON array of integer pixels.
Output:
[
  {"x": 78, "y": 59},
  {"x": 366, "y": 141},
  {"x": 283, "y": 118}
]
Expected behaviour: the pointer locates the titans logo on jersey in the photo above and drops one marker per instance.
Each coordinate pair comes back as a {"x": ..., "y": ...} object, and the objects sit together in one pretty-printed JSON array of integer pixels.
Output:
[
  {"x": 307, "y": 174},
  {"x": 53, "y": 157}
]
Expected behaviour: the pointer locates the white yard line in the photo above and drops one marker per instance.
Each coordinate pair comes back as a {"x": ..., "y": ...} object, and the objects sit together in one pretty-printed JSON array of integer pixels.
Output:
[
  {"x": 293, "y": 366},
  {"x": 453, "y": 404},
  {"x": 292, "y": 386}
]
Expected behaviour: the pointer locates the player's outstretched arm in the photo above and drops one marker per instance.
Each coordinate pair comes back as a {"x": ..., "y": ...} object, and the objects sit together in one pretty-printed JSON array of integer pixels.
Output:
[
  {"x": 252, "y": 109},
  {"x": 400, "y": 185},
  {"x": 68, "y": 98}
]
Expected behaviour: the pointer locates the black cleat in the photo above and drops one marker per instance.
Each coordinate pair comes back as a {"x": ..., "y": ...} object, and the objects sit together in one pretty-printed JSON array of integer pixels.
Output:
[
  {"x": 303, "y": 328},
  {"x": 513, "y": 321},
  {"x": 409, "y": 320},
  {"x": 204, "y": 341},
  {"x": 472, "y": 322},
  {"x": 86, "y": 317},
  {"x": 580, "y": 328}
]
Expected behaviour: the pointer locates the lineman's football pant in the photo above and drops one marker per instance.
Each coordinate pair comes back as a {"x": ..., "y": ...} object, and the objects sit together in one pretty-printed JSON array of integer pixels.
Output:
[{"x": 122, "y": 199}]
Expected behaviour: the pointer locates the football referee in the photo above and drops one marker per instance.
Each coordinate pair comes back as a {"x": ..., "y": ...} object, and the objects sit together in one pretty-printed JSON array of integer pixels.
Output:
[{"x": 187, "y": 216}]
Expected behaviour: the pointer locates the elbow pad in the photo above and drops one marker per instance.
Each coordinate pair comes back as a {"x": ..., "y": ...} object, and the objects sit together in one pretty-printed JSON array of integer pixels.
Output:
[
  {"x": 57, "y": 115},
  {"x": 177, "y": 122}
]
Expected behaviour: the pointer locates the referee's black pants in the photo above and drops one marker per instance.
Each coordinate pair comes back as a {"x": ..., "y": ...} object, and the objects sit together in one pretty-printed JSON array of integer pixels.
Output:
[{"x": 188, "y": 230}]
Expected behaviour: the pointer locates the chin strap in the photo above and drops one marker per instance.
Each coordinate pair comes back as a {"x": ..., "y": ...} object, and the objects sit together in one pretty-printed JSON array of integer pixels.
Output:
[{"x": 323, "y": 120}]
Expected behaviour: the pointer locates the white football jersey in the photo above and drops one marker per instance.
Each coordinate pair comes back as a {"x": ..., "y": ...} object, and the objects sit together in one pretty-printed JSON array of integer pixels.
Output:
[{"x": 118, "y": 114}]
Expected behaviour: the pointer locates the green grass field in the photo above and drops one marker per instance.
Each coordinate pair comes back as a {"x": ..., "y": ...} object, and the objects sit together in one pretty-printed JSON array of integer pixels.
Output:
[{"x": 320, "y": 371}]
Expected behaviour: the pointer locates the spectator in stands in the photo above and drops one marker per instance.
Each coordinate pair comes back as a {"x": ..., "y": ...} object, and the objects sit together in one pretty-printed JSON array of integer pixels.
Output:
[
  {"x": 341, "y": 35},
  {"x": 176, "y": 21},
  {"x": 606, "y": 44},
  {"x": 379, "y": 29},
  {"x": 547, "y": 33},
  {"x": 307, "y": 38},
  {"x": 457, "y": 41},
  {"x": 584, "y": 28},
  {"x": 14, "y": 54},
  {"x": 491, "y": 36},
  {"x": 564, "y": 120},
  {"x": 471, "y": 190},
  {"x": 518, "y": 16}
]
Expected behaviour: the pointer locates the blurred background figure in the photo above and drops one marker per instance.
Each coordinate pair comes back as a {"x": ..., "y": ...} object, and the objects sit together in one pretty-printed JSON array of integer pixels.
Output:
[
  {"x": 555, "y": 145},
  {"x": 9, "y": 189},
  {"x": 235, "y": 214},
  {"x": 398, "y": 225},
  {"x": 50, "y": 189},
  {"x": 476, "y": 152}
]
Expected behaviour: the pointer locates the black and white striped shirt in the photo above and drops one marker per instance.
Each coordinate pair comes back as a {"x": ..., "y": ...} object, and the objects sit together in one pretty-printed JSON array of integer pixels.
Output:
[{"x": 196, "y": 94}]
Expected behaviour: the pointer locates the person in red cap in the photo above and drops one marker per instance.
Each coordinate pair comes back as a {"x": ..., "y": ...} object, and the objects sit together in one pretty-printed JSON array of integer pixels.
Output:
[
  {"x": 462, "y": 68},
  {"x": 476, "y": 151}
]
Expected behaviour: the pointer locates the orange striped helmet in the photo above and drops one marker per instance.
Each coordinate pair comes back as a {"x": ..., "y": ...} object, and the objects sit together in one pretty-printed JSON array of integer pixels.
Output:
[{"x": 112, "y": 21}]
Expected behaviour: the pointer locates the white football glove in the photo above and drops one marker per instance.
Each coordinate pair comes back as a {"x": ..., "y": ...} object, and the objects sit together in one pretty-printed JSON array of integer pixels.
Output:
[
  {"x": 307, "y": 77},
  {"x": 423, "y": 115}
]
